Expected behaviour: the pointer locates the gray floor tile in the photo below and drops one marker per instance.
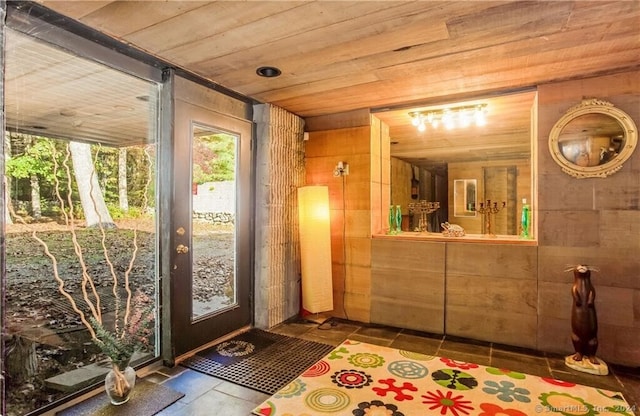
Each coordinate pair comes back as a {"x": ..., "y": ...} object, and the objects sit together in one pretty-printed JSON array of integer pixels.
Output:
[
  {"x": 378, "y": 332},
  {"x": 241, "y": 392},
  {"x": 370, "y": 340},
  {"x": 176, "y": 409},
  {"x": 428, "y": 346},
  {"x": 293, "y": 329},
  {"x": 523, "y": 363},
  {"x": 608, "y": 382},
  {"x": 192, "y": 384},
  {"x": 157, "y": 377},
  {"x": 333, "y": 336},
  {"x": 216, "y": 403},
  {"x": 454, "y": 345},
  {"x": 172, "y": 371}
]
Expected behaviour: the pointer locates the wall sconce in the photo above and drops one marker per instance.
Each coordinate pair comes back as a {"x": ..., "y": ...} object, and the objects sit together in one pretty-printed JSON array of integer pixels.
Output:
[
  {"x": 450, "y": 117},
  {"x": 315, "y": 248}
]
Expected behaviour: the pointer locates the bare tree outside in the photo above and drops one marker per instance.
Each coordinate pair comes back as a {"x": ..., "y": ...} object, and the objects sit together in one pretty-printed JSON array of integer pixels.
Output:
[
  {"x": 7, "y": 180},
  {"x": 91, "y": 196},
  {"x": 122, "y": 179}
]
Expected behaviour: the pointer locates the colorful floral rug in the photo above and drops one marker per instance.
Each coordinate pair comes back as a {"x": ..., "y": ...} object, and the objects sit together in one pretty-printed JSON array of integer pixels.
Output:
[{"x": 359, "y": 379}]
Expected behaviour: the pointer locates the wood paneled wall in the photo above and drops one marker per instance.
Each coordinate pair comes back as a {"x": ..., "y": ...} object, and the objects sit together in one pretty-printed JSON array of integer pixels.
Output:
[
  {"x": 408, "y": 283},
  {"x": 380, "y": 176},
  {"x": 595, "y": 221},
  {"x": 491, "y": 292},
  {"x": 522, "y": 291},
  {"x": 351, "y": 212}
]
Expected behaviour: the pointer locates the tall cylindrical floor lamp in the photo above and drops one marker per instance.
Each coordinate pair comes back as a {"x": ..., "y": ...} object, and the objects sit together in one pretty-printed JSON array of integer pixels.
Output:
[{"x": 315, "y": 248}]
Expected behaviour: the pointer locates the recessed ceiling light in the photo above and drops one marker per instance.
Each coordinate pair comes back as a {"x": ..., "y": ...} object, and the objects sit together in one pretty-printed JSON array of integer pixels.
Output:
[{"x": 268, "y": 71}]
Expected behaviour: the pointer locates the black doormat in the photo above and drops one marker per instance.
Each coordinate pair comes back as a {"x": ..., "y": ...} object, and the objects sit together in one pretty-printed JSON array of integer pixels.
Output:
[
  {"x": 259, "y": 360},
  {"x": 147, "y": 399}
]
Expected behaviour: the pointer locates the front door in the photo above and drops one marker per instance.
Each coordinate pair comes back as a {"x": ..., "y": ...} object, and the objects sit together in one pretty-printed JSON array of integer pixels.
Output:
[{"x": 211, "y": 253}]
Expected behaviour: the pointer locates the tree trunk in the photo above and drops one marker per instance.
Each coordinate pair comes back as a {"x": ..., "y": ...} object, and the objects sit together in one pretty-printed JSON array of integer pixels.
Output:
[
  {"x": 35, "y": 197},
  {"x": 22, "y": 361},
  {"x": 91, "y": 197},
  {"x": 7, "y": 181},
  {"x": 122, "y": 179},
  {"x": 7, "y": 201}
]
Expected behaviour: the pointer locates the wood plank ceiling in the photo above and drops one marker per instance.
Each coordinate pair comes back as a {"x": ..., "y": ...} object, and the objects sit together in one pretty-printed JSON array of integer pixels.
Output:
[{"x": 337, "y": 56}]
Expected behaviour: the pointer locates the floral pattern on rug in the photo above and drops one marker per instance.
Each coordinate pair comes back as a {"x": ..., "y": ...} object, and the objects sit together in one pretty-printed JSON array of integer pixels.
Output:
[{"x": 359, "y": 379}]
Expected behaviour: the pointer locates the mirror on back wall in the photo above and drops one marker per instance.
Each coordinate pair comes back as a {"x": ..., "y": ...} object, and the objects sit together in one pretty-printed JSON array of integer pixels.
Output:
[
  {"x": 593, "y": 139},
  {"x": 445, "y": 151}
]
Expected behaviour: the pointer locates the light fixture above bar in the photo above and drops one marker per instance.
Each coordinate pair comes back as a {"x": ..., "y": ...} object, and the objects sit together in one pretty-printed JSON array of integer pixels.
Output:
[{"x": 450, "y": 117}]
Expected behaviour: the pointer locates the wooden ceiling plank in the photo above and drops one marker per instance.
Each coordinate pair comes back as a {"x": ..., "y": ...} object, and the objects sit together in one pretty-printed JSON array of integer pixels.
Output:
[
  {"x": 202, "y": 23},
  {"x": 119, "y": 18},
  {"x": 379, "y": 31},
  {"x": 533, "y": 18},
  {"x": 348, "y": 52},
  {"x": 323, "y": 85},
  {"x": 502, "y": 54},
  {"x": 463, "y": 60},
  {"x": 590, "y": 13},
  {"x": 74, "y": 9},
  {"x": 511, "y": 73},
  {"x": 292, "y": 22},
  {"x": 422, "y": 51},
  {"x": 462, "y": 153}
]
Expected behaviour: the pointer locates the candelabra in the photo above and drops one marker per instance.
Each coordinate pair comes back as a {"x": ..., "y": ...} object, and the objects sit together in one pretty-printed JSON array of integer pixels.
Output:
[
  {"x": 488, "y": 211},
  {"x": 424, "y": 208}
]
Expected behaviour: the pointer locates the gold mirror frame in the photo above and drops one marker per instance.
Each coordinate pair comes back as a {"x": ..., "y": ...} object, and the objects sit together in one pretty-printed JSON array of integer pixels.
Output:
[{"x": 583, "y": 168}]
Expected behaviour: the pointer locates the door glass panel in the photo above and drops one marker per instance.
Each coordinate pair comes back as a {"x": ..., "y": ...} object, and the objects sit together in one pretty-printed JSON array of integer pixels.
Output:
[{"x": 213, "y": 194}]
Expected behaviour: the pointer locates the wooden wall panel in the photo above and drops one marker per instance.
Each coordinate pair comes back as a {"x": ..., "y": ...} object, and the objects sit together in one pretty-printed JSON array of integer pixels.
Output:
[
  {"x": 349, "y": 119},
  {"x": 617, "y": 298},
  {"x": 407, "y": 284},
  {"x": 590, "y": 221},
  {"x": 495, "y": 260},
  {"x": 491, "y": 293},
  {"x": 380, "y": 161},
  {"x": 350, "y": 210}
]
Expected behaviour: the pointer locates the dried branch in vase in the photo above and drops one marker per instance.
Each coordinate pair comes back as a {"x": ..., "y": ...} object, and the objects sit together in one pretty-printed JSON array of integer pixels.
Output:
[{"x": 133, "y": 319}]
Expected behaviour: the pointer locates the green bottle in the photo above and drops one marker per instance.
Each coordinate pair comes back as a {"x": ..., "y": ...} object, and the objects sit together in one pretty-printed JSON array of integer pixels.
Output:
[
  {"x": 392, "y": 220},
  {"x": 398, "y": 219},
  {"x": 525, "y": 220}
]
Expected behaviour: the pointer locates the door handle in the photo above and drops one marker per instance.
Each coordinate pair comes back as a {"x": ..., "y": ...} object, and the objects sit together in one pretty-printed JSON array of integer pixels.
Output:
[{"x": 182, "y": 249}]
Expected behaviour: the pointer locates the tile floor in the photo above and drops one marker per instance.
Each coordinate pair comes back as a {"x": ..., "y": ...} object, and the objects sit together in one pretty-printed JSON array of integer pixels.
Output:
[{"x": 206, "y": 395}]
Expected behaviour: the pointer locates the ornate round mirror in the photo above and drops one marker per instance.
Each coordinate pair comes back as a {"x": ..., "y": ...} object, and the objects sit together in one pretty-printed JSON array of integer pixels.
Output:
[{"x": 592, "y": 139}]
